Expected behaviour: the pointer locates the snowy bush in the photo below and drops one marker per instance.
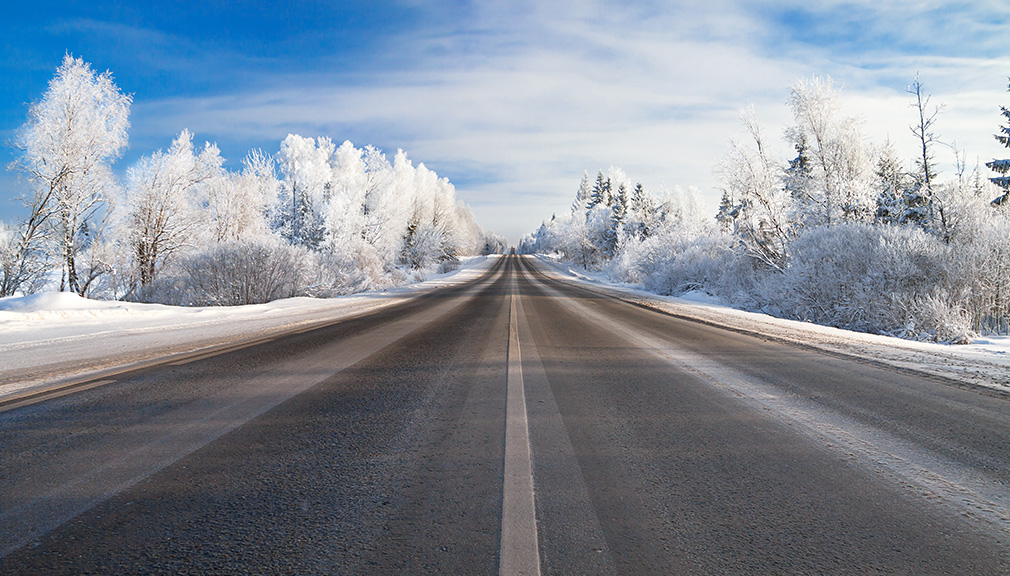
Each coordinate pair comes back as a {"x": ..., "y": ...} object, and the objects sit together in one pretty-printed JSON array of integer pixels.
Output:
[
  {"x": 941, "y": 319},
  {"x": 872, "y": 278},
  {"x": 981, "y": 269},
  {"x": 236, "y": 273}
]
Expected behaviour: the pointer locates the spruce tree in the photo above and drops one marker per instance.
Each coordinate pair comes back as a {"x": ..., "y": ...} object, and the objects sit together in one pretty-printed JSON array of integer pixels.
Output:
[
  {"x": 1002, "y": 167},
  {"x": 582, "y": 196},
  {"x": 799, "y": 174},
  {"x": 641, "y": 213},
  {"x": 727, "y": 214},
  {"x": 618, "y": 215},
  {"x": 600, "y": 193},
  {"x": 891, "y": 183}
]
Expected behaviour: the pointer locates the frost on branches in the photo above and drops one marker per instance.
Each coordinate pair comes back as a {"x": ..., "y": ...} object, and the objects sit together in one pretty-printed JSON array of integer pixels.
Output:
[
  {"x": 838, "y": 232},
  {"x": 67, "y": 147},
  {"x": 315, "y": 219}
]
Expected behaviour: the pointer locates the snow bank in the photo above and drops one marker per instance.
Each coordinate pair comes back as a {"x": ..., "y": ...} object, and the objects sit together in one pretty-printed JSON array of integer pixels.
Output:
[{"x": 52, "y": 336}]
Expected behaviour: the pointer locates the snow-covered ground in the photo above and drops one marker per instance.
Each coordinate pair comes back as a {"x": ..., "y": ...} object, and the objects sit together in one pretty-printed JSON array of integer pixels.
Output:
[
  {"x": 53, "y": 336},
  {"x": 985, "y": 362}
]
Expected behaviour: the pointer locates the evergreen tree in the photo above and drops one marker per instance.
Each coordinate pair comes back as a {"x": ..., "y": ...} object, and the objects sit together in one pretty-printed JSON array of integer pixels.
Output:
[
  {"x": 600, "y": 194},
  {"x": 727, "y": 214},
  {"x": 583, "y": 195},
  {"x": 799, "y": 174},
  {"x": 618, "y": 216},
  {"x": 641, "y": 213},
  {"x": 1002, "y": 167},
  {"x": 892, "y": 183}
]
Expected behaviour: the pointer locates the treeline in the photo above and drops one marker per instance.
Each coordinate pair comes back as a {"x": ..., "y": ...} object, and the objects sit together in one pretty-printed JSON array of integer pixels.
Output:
[
  {"x": 314, "y": 219},
  {"x": 844, "y": 233}
]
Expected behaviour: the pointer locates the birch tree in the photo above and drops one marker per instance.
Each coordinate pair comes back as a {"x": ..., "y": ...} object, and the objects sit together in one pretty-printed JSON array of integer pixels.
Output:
[
  {"x": 837, "y": 169},
  {"x": 71, "y": 138},
  {"x": 162, "y": 216}
]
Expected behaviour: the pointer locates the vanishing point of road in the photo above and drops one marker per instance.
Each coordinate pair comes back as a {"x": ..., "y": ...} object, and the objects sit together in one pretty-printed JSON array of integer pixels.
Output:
[{"x": 515, "y": 424}]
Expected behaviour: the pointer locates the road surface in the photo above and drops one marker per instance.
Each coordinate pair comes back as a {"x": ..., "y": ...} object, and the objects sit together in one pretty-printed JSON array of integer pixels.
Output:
[{"x": 514, "y": 424}]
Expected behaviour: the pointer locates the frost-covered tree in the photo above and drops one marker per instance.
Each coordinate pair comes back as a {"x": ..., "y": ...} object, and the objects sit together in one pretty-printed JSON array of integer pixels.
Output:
[
  {"x": 433, "y": 233},
  {"x": 9, "y": 259},
  {"x": 67, "y": 146},
  {"x": 600, "y": 193},
  {"x": 837, "y": 184},
  {"x": 582, "y": 196},
  {"x": 163, "y": 210},
  {"x": 346, "y": 216},
  {"x": 306, "y": 185},
  {"x": 23, "y": 256},
  {"x": 798, "y": 177},
  {"x": 22, "y": 259},
  {"x": 1002, "y": 167},
  {"x": 238, "y": 204},
  {"x": 748, "y": 175},
  {"x": 922, "y": 208},
  {"x": 642, "y": 214},
  {"x": 618, "y": 217},
  {"x": 727, "y": 212},
  {"x": 381, "y": 209},
  {"x": 891, "y": 183}
]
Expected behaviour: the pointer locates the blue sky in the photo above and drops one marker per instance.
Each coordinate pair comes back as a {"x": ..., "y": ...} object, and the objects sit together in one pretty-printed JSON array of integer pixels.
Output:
[{"x": 513, "y": 101}]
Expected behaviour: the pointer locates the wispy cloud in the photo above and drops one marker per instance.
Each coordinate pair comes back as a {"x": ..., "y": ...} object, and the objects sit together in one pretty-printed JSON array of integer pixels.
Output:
[{"x": 512, "y": 101}]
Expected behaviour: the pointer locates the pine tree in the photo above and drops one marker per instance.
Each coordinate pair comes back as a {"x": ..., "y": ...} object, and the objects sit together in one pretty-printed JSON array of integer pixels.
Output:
[
  {"x": 727, "y": 214},
  {"x": 600, "y": 194},
  {"x": 891, "y": 184},
  {"x": 1002, "y": 167},
  {"x": 583, "y": 195},
  {"x": 641, "y": 213},
  {"x": 618, "y": 216}
]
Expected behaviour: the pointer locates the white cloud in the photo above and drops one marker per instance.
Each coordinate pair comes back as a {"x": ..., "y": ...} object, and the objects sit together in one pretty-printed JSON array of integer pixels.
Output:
[{"x": 528, "y": 97}]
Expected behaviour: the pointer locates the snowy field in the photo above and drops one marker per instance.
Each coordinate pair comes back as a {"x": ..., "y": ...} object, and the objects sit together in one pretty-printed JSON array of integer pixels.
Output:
[
  {"x": 985, "y": 362},
  {"x": 52, "y": 336}
]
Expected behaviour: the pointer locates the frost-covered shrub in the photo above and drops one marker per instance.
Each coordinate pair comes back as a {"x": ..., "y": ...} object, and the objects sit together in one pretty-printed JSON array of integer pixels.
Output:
[
  {"x": 699, "y": 265},
  {"x": 980, "y": 250},
  {"x": 669, "y": 263},
  {"x": 866, "y": 277},
  {"x": 448, "y": 265},
  {"x": 334, "y": 275},
  {"x": 236, "y": 273},
  {"x": 940, "y": 318},
  {"x": 422, "y": 246}
]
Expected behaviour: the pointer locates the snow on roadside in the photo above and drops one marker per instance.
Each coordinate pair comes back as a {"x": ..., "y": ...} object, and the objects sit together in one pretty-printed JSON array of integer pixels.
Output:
[
  {"x": 985, "y": 362},
  {"x": 53, "y": 336}
]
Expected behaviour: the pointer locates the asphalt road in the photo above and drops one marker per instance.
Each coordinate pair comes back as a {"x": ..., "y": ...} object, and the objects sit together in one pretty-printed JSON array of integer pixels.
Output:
[{"x": 515, "y": 423}]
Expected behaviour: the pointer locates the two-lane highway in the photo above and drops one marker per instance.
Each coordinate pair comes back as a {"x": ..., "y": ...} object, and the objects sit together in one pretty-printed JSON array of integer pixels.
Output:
[{"x": 517, "y": 423}]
